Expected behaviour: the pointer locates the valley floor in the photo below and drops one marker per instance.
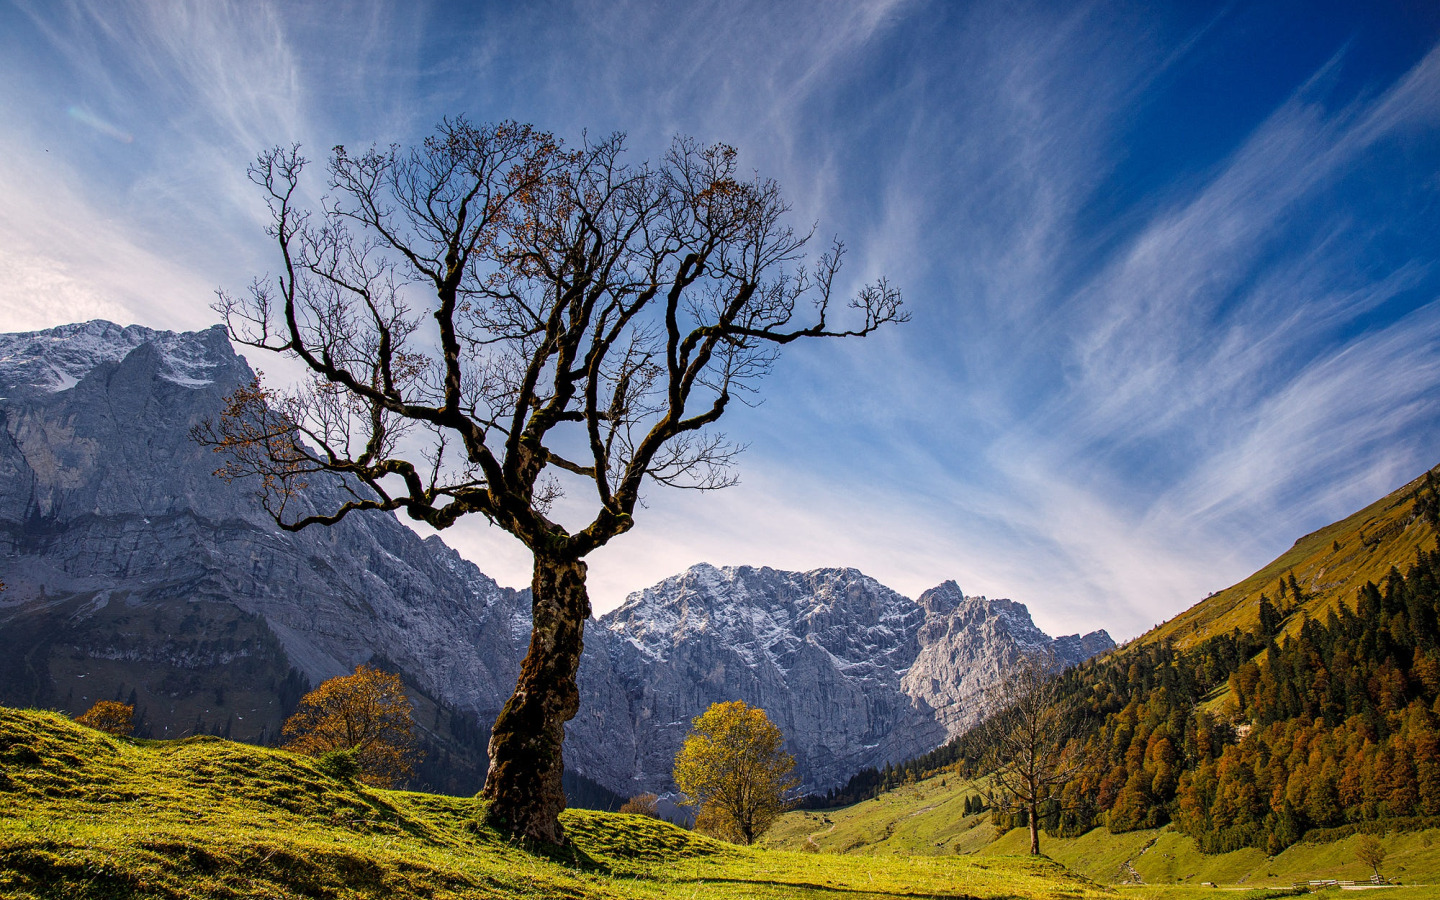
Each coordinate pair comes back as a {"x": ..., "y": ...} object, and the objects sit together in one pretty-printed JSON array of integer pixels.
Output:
[
  {"x": 927, "y": 818},
  {"x": 84, "y": 815}
]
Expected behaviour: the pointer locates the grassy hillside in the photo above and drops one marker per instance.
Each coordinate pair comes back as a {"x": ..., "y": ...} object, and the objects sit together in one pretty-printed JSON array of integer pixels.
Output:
[
  {"x": 84, "y": 815},
  {"x": 926, "y": 818},
  {"x": 1330, "y": 565}
]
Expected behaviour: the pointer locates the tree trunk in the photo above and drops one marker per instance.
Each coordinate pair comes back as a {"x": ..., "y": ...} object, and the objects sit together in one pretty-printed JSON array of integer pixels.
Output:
[
  {"x": 1034, "y": 830},
  {"x": 523, "y": 785}
]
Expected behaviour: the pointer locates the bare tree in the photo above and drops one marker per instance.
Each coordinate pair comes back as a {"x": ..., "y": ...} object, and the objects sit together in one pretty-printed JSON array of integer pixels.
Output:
[
  {"x": 492, "y": 317},
  {"x": 1030, "y": 736}
]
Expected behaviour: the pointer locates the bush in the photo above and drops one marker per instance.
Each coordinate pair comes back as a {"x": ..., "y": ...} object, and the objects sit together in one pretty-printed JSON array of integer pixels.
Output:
[
  {"x": 110, "y": 717},
  {"x": 642, "y": 805},
  {"x": 342, "y": 765}
]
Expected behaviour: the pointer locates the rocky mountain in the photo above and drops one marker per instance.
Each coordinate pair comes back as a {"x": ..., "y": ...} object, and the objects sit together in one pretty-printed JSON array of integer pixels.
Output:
[
  {"x": 864, "y": 674},
  {"x": 134, "y": 573},
  {"x": 967, "y": 643},
  {"x": 822, "y": 652}
]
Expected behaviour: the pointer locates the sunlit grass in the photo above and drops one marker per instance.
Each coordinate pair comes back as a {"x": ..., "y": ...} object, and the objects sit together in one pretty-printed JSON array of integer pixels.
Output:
[{"x": 85, "y": 815}]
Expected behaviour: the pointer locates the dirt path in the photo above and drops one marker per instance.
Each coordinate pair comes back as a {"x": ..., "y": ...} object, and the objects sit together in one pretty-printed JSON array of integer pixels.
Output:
[{"x": 810, "y": 840}]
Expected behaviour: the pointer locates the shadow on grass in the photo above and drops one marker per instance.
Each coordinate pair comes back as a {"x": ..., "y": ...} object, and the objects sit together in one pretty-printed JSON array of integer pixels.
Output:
[{"x": 837, "y": 889}]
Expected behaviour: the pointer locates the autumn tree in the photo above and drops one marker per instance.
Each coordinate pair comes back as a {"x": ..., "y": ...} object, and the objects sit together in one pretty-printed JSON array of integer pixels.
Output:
[
  {"x": 109, "y": 716},
  {"x": 1029, "y": 734},
  {"x": 490, "y": 319},
  {"x": 1371, "y": 852},
  {"x": 642, "y": 805},
  {"x": 733, "y": 767},
  {"x": 366, "y": 714}
]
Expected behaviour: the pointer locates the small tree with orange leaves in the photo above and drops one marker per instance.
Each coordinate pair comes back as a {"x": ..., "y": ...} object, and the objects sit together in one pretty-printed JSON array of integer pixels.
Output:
[
  {"x": 366, "y": 714},
  {"x": 109, "y": 716}
]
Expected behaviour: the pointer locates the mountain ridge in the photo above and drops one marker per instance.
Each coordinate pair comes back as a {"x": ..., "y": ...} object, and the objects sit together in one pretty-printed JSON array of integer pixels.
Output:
[
  {"x": 1330, "y": 564},
  {"x": 130, "y": 564}
]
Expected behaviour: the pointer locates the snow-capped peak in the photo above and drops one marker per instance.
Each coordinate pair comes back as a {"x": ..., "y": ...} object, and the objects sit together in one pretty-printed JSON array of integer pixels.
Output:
[{"x": 56, "y": 359}]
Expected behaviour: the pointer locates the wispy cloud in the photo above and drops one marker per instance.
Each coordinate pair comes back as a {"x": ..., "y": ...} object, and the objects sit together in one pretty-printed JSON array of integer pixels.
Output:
[
  {"x": 195, "y": 90},
  {"x": 1121, "y": 389}
]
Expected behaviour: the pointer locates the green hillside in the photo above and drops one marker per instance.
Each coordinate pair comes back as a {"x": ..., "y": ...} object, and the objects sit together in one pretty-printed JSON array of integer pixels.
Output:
[
  {"x": 84, "y": 815},
  {"x": 925, "y": 818},
  {"x": 1330, "y": 565}
]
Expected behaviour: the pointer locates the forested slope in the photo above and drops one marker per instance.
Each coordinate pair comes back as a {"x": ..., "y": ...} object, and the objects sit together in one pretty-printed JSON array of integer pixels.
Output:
[{"x": 1282, "y": 707}]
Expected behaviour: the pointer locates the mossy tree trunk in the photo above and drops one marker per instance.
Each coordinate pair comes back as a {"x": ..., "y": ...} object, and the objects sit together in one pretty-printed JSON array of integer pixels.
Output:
[
  {"x": 1034, "y": 828},
  {"x": 526, "y": 764}
]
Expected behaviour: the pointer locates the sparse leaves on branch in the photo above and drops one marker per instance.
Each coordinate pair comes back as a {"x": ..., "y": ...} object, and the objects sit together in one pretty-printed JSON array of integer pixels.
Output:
[
  {"x": 492, "y": 319},
  {"x": 1031, "y": 734},
  {"x": 578, "y": 303}
]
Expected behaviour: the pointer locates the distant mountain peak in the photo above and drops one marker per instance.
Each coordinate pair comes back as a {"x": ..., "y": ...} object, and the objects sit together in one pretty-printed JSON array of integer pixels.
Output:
[{"x": 56, "y": 359}]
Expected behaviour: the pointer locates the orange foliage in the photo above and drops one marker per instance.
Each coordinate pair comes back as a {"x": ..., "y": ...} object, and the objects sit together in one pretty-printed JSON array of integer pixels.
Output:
[
  {"x": 643, "y": 805},
  {"x": 109, "y": 716},
  {"x": 366, "y": 713}
]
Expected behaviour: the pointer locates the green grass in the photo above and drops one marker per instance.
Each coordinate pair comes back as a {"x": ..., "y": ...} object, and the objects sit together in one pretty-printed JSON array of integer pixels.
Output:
[
  {"x": 84, "y": 815},
  {"x": 926, "y": 818},
  {"x": 923, "y": 818}
]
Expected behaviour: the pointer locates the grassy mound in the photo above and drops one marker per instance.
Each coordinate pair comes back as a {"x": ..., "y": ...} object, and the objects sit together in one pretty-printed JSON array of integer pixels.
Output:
[{"x": 85, "y": 815}]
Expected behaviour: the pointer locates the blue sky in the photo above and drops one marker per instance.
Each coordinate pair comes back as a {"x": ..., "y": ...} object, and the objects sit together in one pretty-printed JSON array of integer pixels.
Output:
[{"x": 1173, "y": 269}]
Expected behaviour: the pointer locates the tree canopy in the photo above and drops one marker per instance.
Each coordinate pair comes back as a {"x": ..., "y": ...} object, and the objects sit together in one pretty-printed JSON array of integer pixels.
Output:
[
  {"x": 109, "y": 716},
  {"x": 734, "y": 768}
]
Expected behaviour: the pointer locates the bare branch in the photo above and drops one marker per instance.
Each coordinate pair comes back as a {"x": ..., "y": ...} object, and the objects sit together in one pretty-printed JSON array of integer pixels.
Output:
[{"x": 575, "y": 300}]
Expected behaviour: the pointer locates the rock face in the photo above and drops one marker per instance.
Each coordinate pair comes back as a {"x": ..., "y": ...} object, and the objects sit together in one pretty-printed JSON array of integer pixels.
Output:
[
  {"x": 822, "y": 652},
  {"x": 854, "y": 674},
  {"x": 134, "y": 573},
  {"x": 129, "y": 563},
  {"x": 967, "y": 643}
]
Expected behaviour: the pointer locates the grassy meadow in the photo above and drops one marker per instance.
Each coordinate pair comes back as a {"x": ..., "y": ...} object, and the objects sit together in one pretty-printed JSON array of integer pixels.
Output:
[{"x": 85, "y": 815}]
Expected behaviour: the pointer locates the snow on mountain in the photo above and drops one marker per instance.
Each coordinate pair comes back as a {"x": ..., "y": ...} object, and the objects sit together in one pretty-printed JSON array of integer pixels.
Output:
[
  {"x": 56, "y": 359},
  {"x": 854, "y": 673}
]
